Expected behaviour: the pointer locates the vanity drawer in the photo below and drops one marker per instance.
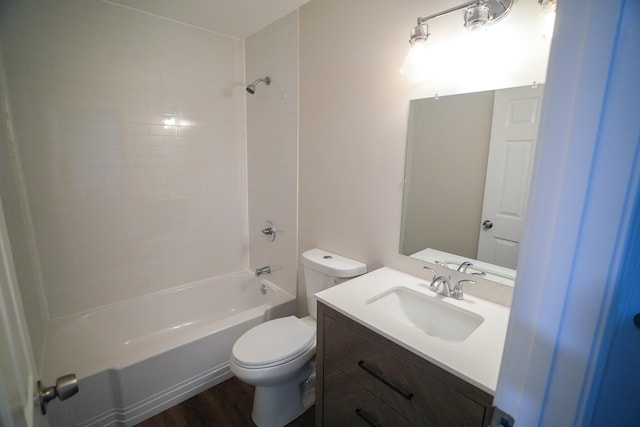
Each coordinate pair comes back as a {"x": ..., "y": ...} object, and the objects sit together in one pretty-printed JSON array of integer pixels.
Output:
[
  {"x": 348, "y": 404},
  {"x": 387, "y": 372}
]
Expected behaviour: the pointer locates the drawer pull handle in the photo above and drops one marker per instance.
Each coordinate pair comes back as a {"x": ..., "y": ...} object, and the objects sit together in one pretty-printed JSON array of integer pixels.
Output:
[
  {"x": 360, "y": 413},
  {"x": 380, "y": 378}
]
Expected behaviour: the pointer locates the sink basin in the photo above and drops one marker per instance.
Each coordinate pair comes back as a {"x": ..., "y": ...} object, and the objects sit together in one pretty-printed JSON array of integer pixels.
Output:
[{"x": 428, "y": 314}]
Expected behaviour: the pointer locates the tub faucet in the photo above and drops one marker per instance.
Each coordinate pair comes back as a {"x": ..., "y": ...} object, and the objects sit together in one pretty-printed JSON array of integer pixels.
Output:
[{"x": 263, "y": 270}]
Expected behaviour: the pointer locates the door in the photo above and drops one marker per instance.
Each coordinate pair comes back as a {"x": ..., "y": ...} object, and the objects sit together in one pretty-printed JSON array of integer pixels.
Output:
[
  {"x": 17, "y": 368},
  {"x": 514, "y": 130},
  {"x": 617, "y": 387},
  {"x": 584, "y": 207}
]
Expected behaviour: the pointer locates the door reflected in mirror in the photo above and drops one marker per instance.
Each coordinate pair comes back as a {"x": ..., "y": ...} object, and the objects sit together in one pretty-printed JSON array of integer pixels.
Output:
[{"x": 467, "y": 175}]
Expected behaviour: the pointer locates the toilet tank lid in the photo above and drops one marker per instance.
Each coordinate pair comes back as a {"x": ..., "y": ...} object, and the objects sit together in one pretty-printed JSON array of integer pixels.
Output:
[{"x": 332, "y": 264}]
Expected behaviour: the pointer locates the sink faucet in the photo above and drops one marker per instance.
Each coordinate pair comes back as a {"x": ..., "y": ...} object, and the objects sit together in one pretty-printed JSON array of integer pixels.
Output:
[
  {"x": 463, "y": 267},
  {"x": 263, "y": 270},
  {"x": 442, "y": 285}
]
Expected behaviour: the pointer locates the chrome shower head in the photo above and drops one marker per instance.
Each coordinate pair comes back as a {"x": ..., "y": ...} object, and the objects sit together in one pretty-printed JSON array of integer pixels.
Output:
[{"x": 252, "y": 87}]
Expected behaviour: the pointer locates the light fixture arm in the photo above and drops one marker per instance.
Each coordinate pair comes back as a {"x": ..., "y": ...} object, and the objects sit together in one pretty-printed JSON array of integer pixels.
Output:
[
  {"x": 423, "y": 19},
  {"x": 499, "y": 9}
]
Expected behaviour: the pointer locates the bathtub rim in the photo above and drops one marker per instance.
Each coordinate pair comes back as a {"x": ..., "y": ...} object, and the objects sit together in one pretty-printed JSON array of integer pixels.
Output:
[
  {"x": 46, "y": 369},
  {"x": 174, "y": 289}
]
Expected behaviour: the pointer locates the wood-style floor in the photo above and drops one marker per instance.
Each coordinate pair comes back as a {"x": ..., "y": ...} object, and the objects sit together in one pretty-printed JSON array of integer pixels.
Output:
[{"x": 226, "y": 405}]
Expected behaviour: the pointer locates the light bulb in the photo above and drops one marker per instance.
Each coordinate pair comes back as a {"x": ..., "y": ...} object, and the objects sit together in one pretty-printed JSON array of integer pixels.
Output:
[
  {"x": 476, "y": 17},
  {"x": 415, "y": 63}
]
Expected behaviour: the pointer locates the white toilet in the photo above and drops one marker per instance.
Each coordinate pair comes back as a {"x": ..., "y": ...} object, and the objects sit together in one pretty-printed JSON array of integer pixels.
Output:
[{"x": 278, "y": 356}]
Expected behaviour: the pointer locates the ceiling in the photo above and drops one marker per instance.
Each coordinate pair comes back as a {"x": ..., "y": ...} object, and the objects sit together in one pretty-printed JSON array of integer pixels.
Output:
[{"x": 235, "y": 18}]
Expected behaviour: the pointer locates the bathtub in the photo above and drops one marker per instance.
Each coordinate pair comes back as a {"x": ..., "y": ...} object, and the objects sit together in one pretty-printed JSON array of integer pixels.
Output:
[{"x": 137, "y": 358}]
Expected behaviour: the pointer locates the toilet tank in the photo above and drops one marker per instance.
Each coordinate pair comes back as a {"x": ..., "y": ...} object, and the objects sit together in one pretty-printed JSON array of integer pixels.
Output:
[{"x": 323, "y": 269}]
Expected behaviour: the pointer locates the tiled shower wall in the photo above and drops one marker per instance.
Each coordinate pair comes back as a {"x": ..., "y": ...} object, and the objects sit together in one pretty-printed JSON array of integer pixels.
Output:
[
  {"x": 272, "y": 148},
  {"x": 130, "y": 130}
]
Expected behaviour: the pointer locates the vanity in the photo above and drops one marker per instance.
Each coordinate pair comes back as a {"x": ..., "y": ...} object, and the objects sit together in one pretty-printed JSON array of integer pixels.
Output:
[{"x": 392, "y": 352}]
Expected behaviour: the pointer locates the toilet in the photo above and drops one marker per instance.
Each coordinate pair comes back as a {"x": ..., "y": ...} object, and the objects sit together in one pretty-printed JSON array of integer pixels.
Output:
[{"x": 278, "y": 356}]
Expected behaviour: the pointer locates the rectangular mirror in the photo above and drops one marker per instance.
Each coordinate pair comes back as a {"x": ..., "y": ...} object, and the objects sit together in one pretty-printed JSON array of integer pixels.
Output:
[{"x": 467, "y": 175}]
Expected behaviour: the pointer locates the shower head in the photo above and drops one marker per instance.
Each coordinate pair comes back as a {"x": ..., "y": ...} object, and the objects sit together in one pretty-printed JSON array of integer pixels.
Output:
[{"x": 252, "y": 87}]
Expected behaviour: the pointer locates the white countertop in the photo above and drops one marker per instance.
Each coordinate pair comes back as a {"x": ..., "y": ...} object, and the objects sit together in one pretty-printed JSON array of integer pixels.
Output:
[{"x": 476, "y": 359}]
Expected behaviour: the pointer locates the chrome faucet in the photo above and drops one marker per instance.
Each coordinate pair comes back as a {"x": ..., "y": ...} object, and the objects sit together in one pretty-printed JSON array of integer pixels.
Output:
[
  {"x": 442, "y": 285},
  {"x": 463, "y": 267},
  {"x": 263, "y": 270}
]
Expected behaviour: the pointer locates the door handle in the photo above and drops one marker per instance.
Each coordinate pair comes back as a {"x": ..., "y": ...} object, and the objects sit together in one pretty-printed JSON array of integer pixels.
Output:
[
  {"x": 487, "y": 224},
  {"x": 636, "y": 320},
  {"x": 66, "y": 386}
]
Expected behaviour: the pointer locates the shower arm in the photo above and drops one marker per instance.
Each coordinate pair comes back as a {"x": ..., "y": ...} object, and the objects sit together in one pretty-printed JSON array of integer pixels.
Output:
[{"x": 251, "y": 88}]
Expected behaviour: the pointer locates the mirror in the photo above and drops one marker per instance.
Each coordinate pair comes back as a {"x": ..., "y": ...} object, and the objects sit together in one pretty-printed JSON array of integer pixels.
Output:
[{"x": 467, "y": 174}]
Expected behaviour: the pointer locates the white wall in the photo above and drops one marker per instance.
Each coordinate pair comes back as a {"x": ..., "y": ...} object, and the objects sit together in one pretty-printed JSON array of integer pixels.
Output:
[
  {"x": 272, "y": 148},
  {"x": 123, "y": 202},
  {"x": 17, "y": 218},
  {"x": 354, "y": 109}
]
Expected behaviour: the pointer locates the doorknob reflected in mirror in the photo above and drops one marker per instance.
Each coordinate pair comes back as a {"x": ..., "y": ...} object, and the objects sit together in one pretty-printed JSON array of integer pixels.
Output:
[
  {"x": 66, "y": 386},
  {"x": 487, "y": 224}
]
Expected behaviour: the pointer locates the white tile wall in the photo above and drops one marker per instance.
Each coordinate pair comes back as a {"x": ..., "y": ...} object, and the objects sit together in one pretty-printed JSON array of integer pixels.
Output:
[
  {"x": 272, "y": 148},
  {"x": 131, "y": 131}
]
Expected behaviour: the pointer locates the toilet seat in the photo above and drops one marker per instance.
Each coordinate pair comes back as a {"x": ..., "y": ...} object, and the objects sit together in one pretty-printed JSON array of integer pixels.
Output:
[{"x": 273, "y": 343}]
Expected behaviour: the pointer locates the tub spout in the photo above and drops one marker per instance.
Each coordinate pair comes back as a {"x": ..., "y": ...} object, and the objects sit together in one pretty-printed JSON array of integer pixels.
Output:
[{"x": 263, "y": 270}]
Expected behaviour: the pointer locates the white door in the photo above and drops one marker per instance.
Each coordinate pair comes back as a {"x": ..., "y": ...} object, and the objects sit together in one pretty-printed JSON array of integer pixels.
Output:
[
  {"x": 514, "y": 131},
  {"x": 18, "y": 375}
]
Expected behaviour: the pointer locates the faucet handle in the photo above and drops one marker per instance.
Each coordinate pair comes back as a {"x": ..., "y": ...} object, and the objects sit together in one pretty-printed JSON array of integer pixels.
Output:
[
  {"x": 456, "y": 292},
  {"x": 432, "y": 272}
]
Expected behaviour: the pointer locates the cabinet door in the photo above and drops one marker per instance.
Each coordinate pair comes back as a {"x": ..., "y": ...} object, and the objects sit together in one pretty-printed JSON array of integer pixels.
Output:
[{"x": 393, "y": 379}]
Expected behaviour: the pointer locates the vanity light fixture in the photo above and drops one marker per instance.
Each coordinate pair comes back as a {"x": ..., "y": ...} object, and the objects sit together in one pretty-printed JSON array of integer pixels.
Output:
[
  {"x": 549, "y": 18},
  {"x": 477, "y": 14},
  {"x": 548, "y": 6}
]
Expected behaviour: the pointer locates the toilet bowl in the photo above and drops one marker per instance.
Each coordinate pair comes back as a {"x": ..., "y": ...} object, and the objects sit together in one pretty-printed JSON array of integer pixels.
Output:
[{"x": 278, "y": 356}]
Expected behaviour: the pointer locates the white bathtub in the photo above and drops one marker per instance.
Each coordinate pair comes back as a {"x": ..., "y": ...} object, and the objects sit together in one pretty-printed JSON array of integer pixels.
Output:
[{"x": 137, "y": 358}]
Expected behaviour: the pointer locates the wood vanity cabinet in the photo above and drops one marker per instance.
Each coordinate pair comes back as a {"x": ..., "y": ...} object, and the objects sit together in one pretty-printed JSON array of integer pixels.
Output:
[{"x": 365, "y": 379}]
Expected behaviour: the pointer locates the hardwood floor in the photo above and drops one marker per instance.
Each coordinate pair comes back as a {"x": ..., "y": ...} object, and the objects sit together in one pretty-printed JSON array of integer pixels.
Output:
[{"x": 226, "y": 405}]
